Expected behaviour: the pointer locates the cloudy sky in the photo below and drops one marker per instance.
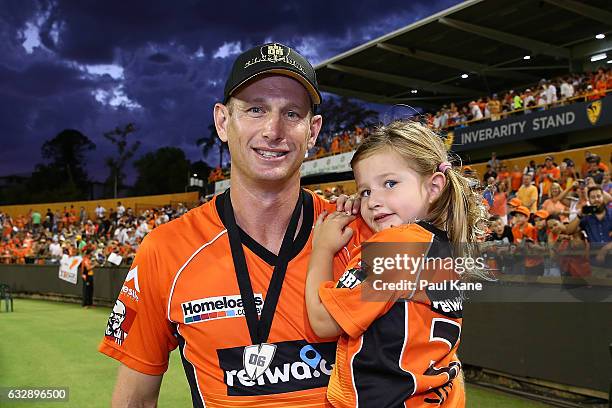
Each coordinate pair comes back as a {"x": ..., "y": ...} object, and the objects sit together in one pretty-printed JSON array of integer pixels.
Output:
[{"x": 94, "y": 65}]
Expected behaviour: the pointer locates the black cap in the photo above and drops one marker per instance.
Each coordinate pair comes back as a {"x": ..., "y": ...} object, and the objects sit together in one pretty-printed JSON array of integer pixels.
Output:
[{"x": 272, "y": 58}]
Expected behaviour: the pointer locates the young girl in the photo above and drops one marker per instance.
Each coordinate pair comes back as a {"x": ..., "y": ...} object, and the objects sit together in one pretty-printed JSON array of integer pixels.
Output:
[{"x": 395, "y": 353}]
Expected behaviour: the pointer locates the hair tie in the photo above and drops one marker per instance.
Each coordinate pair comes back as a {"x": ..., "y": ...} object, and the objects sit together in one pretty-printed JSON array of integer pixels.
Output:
[{"x": 444, "y": 166}]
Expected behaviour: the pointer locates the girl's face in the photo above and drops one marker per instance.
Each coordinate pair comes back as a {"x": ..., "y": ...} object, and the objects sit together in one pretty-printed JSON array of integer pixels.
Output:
[{"x": 391, "y": 193}]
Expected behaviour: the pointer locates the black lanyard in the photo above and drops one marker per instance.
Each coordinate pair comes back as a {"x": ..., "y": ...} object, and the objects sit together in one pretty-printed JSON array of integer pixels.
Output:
[{"x": 259, "y": 328}]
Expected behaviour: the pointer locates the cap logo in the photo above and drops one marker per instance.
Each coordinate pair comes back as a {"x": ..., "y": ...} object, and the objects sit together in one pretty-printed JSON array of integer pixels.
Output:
[{"x": 275, "y": 53}]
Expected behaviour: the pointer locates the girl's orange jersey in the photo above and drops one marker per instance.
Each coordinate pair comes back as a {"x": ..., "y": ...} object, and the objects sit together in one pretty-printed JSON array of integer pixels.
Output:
[{"x": 397, "y": 352}]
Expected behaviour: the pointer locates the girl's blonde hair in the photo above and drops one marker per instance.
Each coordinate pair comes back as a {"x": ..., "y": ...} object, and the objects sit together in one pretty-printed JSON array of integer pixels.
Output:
[{"x": 458, "y": 210}]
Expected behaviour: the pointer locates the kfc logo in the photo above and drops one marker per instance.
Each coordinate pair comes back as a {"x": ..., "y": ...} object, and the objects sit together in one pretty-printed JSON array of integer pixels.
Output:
[{"x": 119, "y": 322}]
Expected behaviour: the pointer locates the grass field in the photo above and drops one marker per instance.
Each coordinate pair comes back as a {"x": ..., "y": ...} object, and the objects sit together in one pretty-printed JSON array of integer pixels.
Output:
[{"x": 47, "y": 344}]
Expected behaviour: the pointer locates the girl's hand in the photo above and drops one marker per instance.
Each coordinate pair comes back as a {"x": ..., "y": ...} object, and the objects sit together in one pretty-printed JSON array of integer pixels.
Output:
[
  {"x": 349, "y": 204},
  {"x": 331, "y": 233}
]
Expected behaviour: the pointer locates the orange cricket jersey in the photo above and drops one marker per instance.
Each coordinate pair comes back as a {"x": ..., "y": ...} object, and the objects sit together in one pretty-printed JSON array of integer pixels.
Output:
[
  {"x": 396, "y": 352},
  {"x": 182, "y": 291}
]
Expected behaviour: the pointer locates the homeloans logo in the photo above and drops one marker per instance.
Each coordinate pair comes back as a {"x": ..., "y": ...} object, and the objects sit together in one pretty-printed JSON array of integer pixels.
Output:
[
  {"x": 297, "y": 365},
  {"x": 218, "y": 307}
]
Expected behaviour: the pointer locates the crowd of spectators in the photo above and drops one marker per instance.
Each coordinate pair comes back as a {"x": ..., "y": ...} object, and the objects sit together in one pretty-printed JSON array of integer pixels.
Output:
[
  {"x": 338, "y": 142},
  {"x": 558, "y": 211},
  {"x": 45, "y": 238},
  {"x": 544, "y": 95},
  {"x": 550, "y": 218}
]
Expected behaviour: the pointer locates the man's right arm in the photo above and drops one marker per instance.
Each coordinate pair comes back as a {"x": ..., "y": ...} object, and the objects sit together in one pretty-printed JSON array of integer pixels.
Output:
[{"x": 135, "y": 389}]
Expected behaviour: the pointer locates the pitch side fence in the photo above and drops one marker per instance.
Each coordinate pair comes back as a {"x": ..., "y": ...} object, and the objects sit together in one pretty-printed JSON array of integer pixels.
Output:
[{"x": 514, "y": 330}]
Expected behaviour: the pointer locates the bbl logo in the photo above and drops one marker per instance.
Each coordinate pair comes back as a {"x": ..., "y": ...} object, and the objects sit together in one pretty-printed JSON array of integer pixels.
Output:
[
  {"x": 274, "y": 52},
  {"x": 594, "y": 111}
]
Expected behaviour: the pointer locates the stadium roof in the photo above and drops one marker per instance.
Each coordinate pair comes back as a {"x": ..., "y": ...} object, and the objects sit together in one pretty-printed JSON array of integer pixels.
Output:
[{"x": 487, "y": 40}]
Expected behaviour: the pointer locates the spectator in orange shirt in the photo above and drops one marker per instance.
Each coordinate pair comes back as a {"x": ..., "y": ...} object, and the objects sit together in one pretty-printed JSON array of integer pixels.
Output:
[
  {"x": 500, "y": 202},
  {"x": 526, "y": 235},
  {"x": 548, "y": 174},
  {"x": 551, "y": 168},
  {"x": 335, "y": 145},
  {"x": 522, "y": 230},
  {"x": 555, "y": 204},
  {"x": 503, "y": 176},
  {"x": 516, "y": 176},
  {"x": 567, "y": 176}
]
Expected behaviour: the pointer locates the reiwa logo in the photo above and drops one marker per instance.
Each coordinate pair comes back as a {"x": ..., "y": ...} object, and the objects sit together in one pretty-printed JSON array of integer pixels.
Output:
[
  {"x": 218, "y": 307},
  {"x": 297, "y": 365}
]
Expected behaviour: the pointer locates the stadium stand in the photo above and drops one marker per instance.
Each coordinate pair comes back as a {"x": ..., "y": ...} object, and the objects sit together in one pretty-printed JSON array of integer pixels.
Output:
[
  {"x": 31, "y": 235},
  {"x": 543, "y": 95}
]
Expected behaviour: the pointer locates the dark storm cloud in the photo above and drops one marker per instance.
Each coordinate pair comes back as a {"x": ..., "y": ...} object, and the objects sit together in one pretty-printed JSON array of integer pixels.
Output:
[
  {"x": 159, "y": 58},
  {"x": 170, "y": 62}
]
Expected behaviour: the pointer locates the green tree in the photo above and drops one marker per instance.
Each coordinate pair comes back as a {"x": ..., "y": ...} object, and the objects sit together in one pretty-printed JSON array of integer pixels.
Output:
[
  {"x": 201, "y": 168},
  {"x": 66, "y": 154},
  {"x": 164, "y": 171},
  {"x": 207, "y": 143},
  {"x": 118, "y": 137}
]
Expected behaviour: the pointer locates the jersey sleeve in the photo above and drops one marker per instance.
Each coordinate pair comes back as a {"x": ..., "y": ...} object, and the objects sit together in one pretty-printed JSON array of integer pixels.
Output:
[
  {"x": 347, "y": 305},
  {"x": 359, "y": 297},
  {"x": 138, "y": 333}
]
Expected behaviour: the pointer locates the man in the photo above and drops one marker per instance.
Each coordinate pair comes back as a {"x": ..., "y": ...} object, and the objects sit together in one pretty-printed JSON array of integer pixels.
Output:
[
  {"x": 549, "y": 174},
  {"x": 87, "y": 273},
  {"x": 567, "y": 90},
  {"x": 490, "y": 173},
  {"x": 475, "y": 112},
  {"x": 36, "y": 219},
  {"x": 594, "y": 169},
  {"x": 597, "y": 224},
  {"x": 493, "y": 161},
  {"x": 100, "y": 211},
  {"x": 528, "y": 100},
  {"x": 494, "y": 106},
  {"x": 550, "y": 92},
  {"x": 528, "y": 194},
  {"x": 120, "y": 209},
  {"x": 237, "y": 315}
]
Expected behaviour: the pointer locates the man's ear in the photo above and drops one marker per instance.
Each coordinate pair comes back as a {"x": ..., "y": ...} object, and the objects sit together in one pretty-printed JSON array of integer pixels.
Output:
[
  {"x": 221, "y": 117},
  {"x": 435, "y": 185},
  {"x": 316, "y": 122}
]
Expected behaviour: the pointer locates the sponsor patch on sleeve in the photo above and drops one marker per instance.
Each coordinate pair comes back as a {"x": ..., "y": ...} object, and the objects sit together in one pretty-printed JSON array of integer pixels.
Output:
[
  {"x": 119, "y": 322},
  {"x": 351, "y": 278}
]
